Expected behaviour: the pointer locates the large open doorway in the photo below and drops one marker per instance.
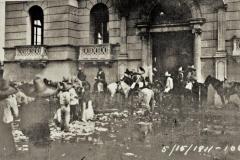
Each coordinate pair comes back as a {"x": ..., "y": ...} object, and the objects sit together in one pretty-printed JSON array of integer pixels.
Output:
[{"x": 170, "y": 50}]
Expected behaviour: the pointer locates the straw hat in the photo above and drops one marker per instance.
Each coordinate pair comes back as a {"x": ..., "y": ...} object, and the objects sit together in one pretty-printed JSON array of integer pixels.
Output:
[
  {"x": 128, "y": 72},
  {"x": 38, "y": 89},
  {"x": 180, "y": 69},
  {"x": 66, "y": 86},
  {"x": 192, "y": 68},
  {"x": 167, "y": 74},
  {"x": 6, "y": 89},
  {"x": 141, "y": 70}
]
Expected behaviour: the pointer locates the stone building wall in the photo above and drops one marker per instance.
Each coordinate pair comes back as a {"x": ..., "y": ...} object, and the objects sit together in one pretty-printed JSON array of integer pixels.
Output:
[
  {"x": 61, "y": 53},
  {"x": 2, "y": 29},
  {"x": 232, "y": 29},
  {"x": 67, "y": 26}
]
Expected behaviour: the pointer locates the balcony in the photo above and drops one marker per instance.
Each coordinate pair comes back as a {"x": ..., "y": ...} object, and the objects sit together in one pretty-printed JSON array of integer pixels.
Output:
[
  {"x": 96, "y": 53},
  {"x": 31, "y": 53},
  {"x": 35, "y": 56}
]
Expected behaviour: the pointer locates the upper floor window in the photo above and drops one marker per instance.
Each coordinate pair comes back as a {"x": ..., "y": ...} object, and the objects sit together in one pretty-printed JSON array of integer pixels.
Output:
[
  {"x": 36, "y": 17},
  {"x": 99, "y": 24}
]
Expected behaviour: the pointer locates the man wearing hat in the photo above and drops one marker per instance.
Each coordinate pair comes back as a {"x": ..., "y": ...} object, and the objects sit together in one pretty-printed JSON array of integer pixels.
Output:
[
  {"x": 64, "y": 110},
  {"x": 169, "y": 83},
  {"x": 179, "y": 85},
  {"x": 127, "y": 78},
  {"x": 190, "y": 77},
  {"x": 7, "y": 146},
  {"x": 100, "y": 78},
  {"x": 180, "y": 80},
  {"x": 81, "y": 75},
  {"x": 74, "y": 103},
  {"x": 191, "y": 74},
  {"x": 35, "y": 118}
]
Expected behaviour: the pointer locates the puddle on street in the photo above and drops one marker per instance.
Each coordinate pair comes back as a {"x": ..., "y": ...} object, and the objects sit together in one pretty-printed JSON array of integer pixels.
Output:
[{"x": 120, "y": 135}]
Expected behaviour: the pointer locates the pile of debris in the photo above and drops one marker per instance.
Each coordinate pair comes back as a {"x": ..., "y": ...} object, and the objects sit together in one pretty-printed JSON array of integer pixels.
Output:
[{"x": 76, "y": 128}]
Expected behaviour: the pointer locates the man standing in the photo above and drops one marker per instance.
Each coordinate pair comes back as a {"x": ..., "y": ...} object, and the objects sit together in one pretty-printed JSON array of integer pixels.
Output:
[
  {"x": 191, "y": 74},
  {"x": 101, "y": 80},
  {"x": 180, "y": 81},
  {"x": 169, "y": 83},
  {"x": 191, "y": 93},
  {"x": 74, "y": 104},
  {"x": 7, "y": 146},
  {"x": 81, "y": 75},
  {"x": 35, "y": 118},
  {"x": 64, "y": 110},
  {"x": 190, "y": 77}
]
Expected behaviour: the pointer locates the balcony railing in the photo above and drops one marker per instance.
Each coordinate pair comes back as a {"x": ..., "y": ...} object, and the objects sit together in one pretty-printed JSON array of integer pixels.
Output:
[
  {"x": 95, "y": 52},
  {"x": 31, "y": 53}
]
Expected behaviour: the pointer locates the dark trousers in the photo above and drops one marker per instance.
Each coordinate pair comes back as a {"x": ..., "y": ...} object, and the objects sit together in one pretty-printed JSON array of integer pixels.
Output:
[{"x": 73, "y": 112}]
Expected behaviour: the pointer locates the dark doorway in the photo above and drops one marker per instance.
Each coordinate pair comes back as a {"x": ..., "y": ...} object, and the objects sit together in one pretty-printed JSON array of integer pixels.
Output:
[{"x": 172, "y": 50}]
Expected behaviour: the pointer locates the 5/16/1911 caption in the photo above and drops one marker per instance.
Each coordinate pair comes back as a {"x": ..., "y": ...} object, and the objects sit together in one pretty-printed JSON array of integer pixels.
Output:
[{"x": 186, "y": 149}]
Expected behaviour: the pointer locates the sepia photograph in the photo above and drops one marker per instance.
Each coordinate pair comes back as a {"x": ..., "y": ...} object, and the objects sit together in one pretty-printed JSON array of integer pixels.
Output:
[{"x": 119, "y": 79}]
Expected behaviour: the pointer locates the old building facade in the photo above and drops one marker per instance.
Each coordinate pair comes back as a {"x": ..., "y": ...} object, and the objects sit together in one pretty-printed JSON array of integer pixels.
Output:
[{"x": 54, "y": 38}]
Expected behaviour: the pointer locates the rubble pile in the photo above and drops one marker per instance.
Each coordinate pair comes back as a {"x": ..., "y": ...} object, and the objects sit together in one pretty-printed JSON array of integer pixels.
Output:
[
  {"x": 21, "y": 141},
  {"x": 76, "y": 129}
]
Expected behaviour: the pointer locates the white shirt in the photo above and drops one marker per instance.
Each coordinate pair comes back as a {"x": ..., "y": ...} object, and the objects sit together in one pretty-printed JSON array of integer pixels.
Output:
[
  {"x": 73, "y": 97},
  {"x": 169, "y": 85},
  {"x": 64, "y": 98}
]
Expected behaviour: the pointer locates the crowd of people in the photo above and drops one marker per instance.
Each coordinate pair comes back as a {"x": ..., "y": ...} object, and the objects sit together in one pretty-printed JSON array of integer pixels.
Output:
[
  {"x": 31, "y": 105},
  {"x": 182, "y": 80},
  {"x": 74, "y": 102}
]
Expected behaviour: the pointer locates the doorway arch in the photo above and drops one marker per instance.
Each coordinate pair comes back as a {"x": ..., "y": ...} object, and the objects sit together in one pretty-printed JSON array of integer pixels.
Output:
[{"x": 169, "y": 22}]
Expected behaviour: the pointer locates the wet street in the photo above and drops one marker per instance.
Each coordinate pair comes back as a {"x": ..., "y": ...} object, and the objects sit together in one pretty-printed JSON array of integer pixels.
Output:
[{"x": 207, "y": 134}]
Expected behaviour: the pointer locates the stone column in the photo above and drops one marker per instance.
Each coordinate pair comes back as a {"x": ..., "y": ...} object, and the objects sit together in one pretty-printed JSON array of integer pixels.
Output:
[
  {"x": 123, "y": 32},
  {"x": 122, "y": 57},
  {"x": 221, "y": 29},
  {"x": 197, "y": 53},
  {"x": 220, "y": 57},
  {"x": 145, "y": 53},
  {"x": 2, "y": 29}
]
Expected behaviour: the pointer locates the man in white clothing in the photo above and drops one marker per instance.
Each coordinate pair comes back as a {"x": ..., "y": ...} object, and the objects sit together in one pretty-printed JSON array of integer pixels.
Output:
[
  {"x": 64, "y": 101},
  {"x": 74, "y": 104},
  {"x": 169, "y": 83}
]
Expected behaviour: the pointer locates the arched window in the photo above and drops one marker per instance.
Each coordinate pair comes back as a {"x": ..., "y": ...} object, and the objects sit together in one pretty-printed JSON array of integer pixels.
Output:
[
  {"x": 99, "y": 24},
  {"x": 36, "y": 17}
]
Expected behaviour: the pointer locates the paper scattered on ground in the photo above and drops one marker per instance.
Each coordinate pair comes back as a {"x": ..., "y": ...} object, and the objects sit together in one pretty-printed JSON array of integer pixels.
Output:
[
  {"x": 76, "y": 129},
  {"x": 130, "y": 154}
]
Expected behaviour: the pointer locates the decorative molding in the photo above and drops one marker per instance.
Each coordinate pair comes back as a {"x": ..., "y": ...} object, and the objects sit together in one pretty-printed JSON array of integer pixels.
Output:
[
  {"x": 33, "y": 56},
  {"x": 29, "y": 4},
  {"x": 95, "y": 52},
  {"x": 31, "y": 53},
  {"x": 197, "y": 31},
  {"x": 91, "y": 3},
  {"x": 148, "y": 6}
]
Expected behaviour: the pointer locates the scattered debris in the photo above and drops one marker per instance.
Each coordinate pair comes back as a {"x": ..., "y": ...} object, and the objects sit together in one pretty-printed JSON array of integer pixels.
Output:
[{"x": 130, "y": 155}]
